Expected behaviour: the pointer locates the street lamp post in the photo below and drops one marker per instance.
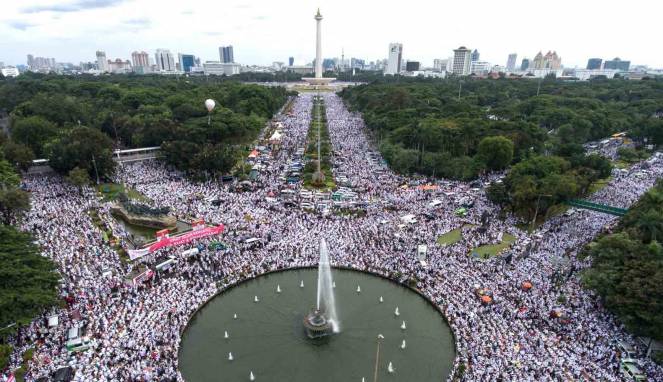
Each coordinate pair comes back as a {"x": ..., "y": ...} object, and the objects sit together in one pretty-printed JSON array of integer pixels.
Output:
[
  {"x": 536, "y": 212},
  {"x": 377, "y": 358}
]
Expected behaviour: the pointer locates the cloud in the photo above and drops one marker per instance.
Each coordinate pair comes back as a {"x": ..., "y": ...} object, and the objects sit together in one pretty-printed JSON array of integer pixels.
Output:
[
  {"x": 260, "y": 18},
  {"x": 139, "y": 22},
  {"x": 75, "y": 6},
  {"x": 21, "y": 25},
  {"x": 187, "y": 12}
]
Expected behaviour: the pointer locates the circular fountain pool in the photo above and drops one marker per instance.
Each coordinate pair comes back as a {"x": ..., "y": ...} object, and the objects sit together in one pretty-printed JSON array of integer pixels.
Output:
[{"x": 267, "y": 337}]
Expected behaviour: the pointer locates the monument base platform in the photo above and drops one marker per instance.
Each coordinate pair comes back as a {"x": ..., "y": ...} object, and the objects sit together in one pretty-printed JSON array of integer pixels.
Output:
[{"x": 318, "y": 81}]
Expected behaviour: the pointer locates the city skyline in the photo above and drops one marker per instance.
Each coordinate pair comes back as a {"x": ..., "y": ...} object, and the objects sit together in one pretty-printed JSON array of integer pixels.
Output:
[{"x": 74, "y": 30}]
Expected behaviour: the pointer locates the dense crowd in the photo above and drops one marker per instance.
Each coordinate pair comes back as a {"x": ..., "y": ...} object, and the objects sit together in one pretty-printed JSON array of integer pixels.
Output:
[{"x": 552, "y": 331}]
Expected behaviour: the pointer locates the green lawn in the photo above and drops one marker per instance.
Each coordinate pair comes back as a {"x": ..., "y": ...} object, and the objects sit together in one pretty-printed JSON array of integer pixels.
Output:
[
  {"x": 599, "y": 185},
  {"x": 487, "y": 251},
  {"x": 20, "y": 372},
  {"x": 450, "y": 237},
  {"x": 110, "y": 191}
]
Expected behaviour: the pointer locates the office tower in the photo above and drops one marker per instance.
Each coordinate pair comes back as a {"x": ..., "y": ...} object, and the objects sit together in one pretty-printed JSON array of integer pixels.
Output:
[
  {"x": 102, "y": 62},
  {"x": 226, "y": 54},
  {"x": 511, "y": 62},
  {"x": 594, "y": 63},
  {"x": 617, "y": 64},
  {"x": 395, "y": 58},
  {"x": 412, "y": 66},
  {"x": 164, "y": 60},
  {"x": 524, "y": 65},
  {"x": 357, "y": 63},
  {"x": 291, "y": 61},
  {"x": 186, "y": 61},
  {"x": 462, "y": 61},
  {"x": 31, "y": 61},
  {"x": 475, "y": 55}
]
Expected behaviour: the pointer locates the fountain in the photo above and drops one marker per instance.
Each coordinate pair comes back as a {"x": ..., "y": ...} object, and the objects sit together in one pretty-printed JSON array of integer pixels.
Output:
[
  {"x": 390, "y": 368},
  {"x": 251, "y": 376},
  {"x": 323, "y": 320},
  {"x": 255, "y": 299},
  {"x": 358, "y": 289},
  {"x": 291, "y": 335},
  {"x": 403, "y": 325},
  {"x": 301, "y": 284},
  {"x": 396, "y": 312}
]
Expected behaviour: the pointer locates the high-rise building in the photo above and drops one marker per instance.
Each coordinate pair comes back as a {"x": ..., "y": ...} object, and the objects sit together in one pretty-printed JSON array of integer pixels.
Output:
[
  {"x": 141, "y": 61},
  {"x": 291, "y": 61},
  {"x": 511, "y": 62},
  {"x": 475, "y": 55},
  {"x": 164, "y": 60},
  {"x": 357, "y": 63},
  {"x": 102, "y": 62},
  {"x": 524, "y": 65},
  {"x": 226, "y": 54},
  {"x": 119, "y": 66},
  {"x": 550, "y": 61},
  {"x": 395, "y": 58},
  {"x": 480, "y": 68},
  {"x": 617, "y": 64},
  {"x": 412, "y": 66},
  {"x": 594, "y": 63},
  {"x": 440, "y": 65},
  {"x": 186, "y": 61},
  {"x": 462, "y": 61},
  {"x": 221, "y": 68}
]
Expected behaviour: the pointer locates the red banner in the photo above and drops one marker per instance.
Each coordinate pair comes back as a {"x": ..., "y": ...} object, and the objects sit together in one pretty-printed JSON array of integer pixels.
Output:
[{"x": 185, "y": 238}]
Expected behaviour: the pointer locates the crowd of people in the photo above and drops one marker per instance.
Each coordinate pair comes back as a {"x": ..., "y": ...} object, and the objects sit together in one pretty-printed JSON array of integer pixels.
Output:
[{"x": 553, "y": 330}]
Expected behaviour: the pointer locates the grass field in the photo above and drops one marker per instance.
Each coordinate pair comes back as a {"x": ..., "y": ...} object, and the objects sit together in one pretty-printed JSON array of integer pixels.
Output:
[
  {"x": 110, "y": 191},
  {"x": 452, "y": 236},
  {"x": 487, "y": 251}
]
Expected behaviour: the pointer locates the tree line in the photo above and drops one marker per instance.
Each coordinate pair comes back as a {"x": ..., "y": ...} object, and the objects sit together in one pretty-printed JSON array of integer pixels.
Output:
[
  {"x": 463, "y": 128},
  {"x": 78, "y": 121},
  {"x": 627, "y": 266}
]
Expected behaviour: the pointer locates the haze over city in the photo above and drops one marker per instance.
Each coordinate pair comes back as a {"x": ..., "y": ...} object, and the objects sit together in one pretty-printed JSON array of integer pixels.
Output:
[{"x": 265, "y": 31}]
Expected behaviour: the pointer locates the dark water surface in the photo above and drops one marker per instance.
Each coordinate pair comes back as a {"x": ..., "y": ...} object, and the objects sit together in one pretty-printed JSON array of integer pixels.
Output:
[{"x": 268, "y": 339}]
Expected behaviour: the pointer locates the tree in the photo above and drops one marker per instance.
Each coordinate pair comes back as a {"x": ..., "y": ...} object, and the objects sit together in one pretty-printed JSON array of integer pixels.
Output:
[
  {"x": 628, "y": 275},
  {"x": 78, "y": 177},
  {"x": 28, "y": 281},
  {"x": 495, "y": 152},
  {"x": 33, "y": 132},
  {"x": 85, "y": 148},
  {"x": 13, "y": 200},
  {"x": 627, "y": 266},
  {"x": 19, "y": 155}
]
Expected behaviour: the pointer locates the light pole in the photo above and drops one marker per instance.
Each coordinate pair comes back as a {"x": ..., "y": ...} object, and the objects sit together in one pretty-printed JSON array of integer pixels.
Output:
[
  {"x": 94, "y": 163},
  {"x": 536, "y": 212},
  {"x": 377, "y": 358}
]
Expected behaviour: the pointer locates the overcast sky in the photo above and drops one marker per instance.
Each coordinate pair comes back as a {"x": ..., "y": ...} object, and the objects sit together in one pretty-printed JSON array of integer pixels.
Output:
[{"x": 263, "y": 31}]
